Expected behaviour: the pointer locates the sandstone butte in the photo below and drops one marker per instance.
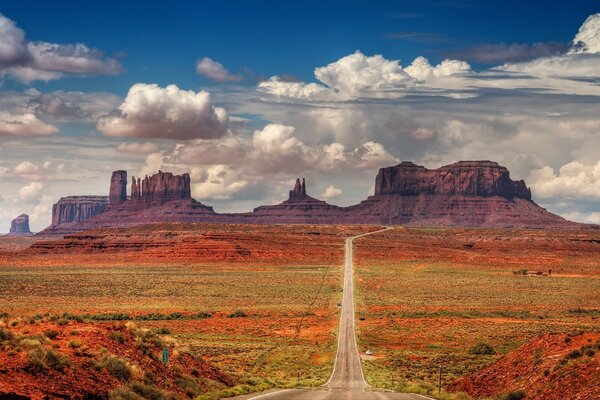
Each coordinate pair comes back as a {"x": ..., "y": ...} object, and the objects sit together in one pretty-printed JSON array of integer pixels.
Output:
[
  {"x": 465, "y": 194},
  {"x": 20, "y": 226}
]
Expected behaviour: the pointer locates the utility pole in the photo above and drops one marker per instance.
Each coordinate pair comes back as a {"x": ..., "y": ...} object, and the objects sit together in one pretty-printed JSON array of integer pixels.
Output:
[{"x": 440, "y": 381}]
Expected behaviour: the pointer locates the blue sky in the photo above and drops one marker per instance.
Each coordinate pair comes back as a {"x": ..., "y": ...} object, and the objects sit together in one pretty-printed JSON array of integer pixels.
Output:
[
  {"x": 247, "y": 96},
  {"x": 160, "y": 41}
]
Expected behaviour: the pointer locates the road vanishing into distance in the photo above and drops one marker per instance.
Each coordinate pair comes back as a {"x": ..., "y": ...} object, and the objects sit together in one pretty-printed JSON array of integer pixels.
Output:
[{"x": 347, "y": 380}]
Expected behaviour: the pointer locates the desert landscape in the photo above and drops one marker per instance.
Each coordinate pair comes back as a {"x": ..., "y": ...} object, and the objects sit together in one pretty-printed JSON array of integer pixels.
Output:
[{"x": 315, "y": 200}]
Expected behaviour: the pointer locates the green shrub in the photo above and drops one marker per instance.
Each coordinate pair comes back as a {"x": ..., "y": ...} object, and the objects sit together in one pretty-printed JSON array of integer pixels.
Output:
[
  {"x": 238, "y": 314},
  {"x": 5, "y": 334},
  {"x": 573, "y": 354},
  {"x": 117, "y": 336},
  {"x": 117, "y": 368},
  {"x": 41, "y": 359},
  {"x": 74, "y": 344},
  {"x": 589, "y": 352},
  {"x": 149, "y": 392},
  {"x": 51, "y": 334},
  {"x": 514, "y": 395},
  {"x": 188, "y": 385},
  {"x": 163, "y": 331},
  {"x": 123, "y": 393},
  {"x": 567, "y": 339},
  {"x": 29, "y": 343},
  {"x": 482, "y": 348}
]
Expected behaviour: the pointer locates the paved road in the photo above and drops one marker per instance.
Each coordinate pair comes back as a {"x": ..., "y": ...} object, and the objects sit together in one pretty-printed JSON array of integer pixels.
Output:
[{"x": 347, "y": 380}]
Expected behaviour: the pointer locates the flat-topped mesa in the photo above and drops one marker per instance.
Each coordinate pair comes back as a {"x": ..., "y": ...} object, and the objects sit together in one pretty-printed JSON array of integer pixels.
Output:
[
  {"x": 467, "y": 178},
  {"x": 20, "y": 226},
  {"x": 118, "y": 188},
  {"x": 160, "y": 188},
  {"x": 74, "y": 209},
  {"x": 299, "y": 191}
]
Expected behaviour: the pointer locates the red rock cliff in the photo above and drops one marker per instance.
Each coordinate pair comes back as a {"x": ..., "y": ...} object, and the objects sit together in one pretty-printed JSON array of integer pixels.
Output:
[
  {"x": 118, "y": 188},
  {"x": 160, "y": 188},
  {"x": 73, "y": 209},
  {"x": 20, "y": 226},
  {"x": 467, "y": 178}
]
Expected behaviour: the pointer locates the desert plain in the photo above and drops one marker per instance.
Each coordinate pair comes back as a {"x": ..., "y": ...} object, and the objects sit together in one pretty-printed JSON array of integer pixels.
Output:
[{"x": 247, "y": 308}]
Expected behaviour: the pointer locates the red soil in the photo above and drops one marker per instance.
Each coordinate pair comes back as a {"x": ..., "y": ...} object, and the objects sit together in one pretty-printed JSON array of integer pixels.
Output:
[
  {"x": 81, "y": 379},
  {"x": 536, "y": 368}
]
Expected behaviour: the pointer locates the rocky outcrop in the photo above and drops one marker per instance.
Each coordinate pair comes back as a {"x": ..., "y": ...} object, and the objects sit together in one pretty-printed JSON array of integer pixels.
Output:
[
  {"x": 160, "y": 188},
  {"x": 299, "y": 191},
  {"x": 118, "y": 188},
  {"x": 465, "y": 194},
  {"x": 74, "y": 209},
  {"x": 466, "y": 178},
  {"x": 20, "y": 226}
]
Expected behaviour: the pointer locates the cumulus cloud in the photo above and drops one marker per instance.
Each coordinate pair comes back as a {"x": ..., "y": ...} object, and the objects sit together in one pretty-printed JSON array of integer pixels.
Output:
[
  {"x": 331, "y": 192},
  {"x": 55, "y": 106},
  {"x": 151, "y": 111},
  {"x": 358, "y": 75},
  {"x": 574, "y": 180},
  {"x": 27, "y": 124},
  {"x": 277, "y": 149},
  {"x": 583, "y": 61},
  {"x": 216, "y": 182},
  {"x": 357, "y": 72},
  {"x": 587, "y": 39},
  {"x": 295, "y": 90},
  {"x": 215, "y": 71},
  {"x": 28, "y": 61},
  {"x": 31, "y": 191},
  {"x": 422, "y": 70},
  {"x": 138, "y": 148}
]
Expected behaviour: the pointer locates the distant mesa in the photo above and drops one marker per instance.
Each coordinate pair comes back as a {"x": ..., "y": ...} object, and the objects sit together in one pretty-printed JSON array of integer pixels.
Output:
[
  {"x": 20, "y": 226},
  {"x": 465, "y": 194}
]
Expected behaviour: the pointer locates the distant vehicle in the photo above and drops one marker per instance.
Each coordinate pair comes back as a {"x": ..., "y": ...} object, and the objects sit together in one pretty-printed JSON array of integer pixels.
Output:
[{"x": 369, "y": 352}]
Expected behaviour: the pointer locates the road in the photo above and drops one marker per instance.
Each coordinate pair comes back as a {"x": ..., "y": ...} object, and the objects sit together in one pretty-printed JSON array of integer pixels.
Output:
[{"x": 347, "y": 380}]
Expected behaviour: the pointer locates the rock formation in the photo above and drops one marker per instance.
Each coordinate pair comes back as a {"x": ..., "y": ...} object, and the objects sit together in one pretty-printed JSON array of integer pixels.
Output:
[
  {"x": 466, "y": 194},
  {"x": 160, "y": 188},
  {"x": 299, "y": 191},
  {"x": 467, "y": 178},
  {"x": 118, "y": 188},
  {"x": 299, "y": 208},
  {"x": 74, "y": 209},
  {"x": 20, "y": 226}
]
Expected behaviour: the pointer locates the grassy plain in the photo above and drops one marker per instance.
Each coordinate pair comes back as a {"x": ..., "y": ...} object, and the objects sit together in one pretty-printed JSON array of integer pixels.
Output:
[
  {"x": 427, "y": 297},
  {"x": 271, "y": 293}
]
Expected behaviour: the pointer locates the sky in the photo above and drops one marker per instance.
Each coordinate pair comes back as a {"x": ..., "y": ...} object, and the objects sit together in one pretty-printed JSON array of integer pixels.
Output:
[{"x": 247, "y": 96}]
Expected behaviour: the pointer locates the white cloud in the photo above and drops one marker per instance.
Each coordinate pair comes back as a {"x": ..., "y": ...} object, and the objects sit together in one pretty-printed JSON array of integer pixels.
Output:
[
  {"x": 357, "y": 72},
  {"x": 24, "y": 125},
  {"x": 585, "y": 217},
  {"x": 295, "y": 90},
  {"x": 215, "y": 71},
  {"x": 583, "y": 61},
  {"x": 29, "y": 61},
  {"x": 574, "y": 180},
  {"x": 423, "y": 71},
  {"x": 331, "y": 192},
  {"x": 151, "y": 111},
  {"x": 138, "y": 148},
  {"x": 13, "y": 49},
  {"x": 422, "y": 133},
  {"x": 153, "y": 163},
  {"x": 587, "y": 39},
  {"x": 216, "y": 182},
  {"x": 31, "y": 191}
]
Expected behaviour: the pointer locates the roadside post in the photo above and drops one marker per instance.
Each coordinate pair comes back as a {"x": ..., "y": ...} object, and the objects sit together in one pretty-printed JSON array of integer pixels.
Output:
[{"x": 440, "y": 381}]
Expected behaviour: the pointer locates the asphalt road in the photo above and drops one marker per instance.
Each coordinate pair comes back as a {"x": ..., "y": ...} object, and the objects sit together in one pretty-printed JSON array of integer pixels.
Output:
[{"x": 347, "y": 380}]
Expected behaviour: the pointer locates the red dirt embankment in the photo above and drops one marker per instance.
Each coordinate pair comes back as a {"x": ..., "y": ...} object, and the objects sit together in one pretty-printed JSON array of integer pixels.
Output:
[
  {"x": 552, "y": 367},
  {"x": 41, "y": 358}
]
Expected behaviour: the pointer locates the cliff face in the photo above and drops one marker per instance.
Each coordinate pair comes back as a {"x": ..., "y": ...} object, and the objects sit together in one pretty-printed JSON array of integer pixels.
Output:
[
  {"x": 466, "y": 178},
  {"x": 118, "y": 188},
  {"x": 160, "y": 188},
  {"x": 20, "y": 226},
  {"x": 74, "y": 209}
]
